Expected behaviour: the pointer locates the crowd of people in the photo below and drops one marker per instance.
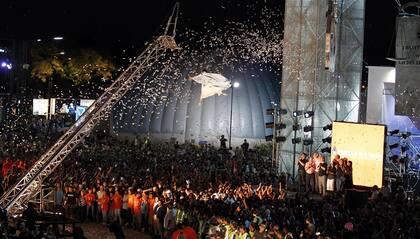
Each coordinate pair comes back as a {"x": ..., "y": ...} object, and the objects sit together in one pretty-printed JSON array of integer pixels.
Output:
[
  {"x": 172, "y": 190},
  {"x": 23, "y": 139}
]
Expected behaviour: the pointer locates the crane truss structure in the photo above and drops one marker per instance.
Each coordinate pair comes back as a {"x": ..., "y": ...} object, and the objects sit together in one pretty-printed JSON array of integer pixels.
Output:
[
  {"x": 16, "y": 198},
  {"x": 322, "y": 68}
]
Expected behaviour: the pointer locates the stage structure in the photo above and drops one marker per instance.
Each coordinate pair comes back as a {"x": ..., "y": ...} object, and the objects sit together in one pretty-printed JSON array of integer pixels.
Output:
[
  {"x": 16, "y": 198},
  {"x": 322, "y": 68}
]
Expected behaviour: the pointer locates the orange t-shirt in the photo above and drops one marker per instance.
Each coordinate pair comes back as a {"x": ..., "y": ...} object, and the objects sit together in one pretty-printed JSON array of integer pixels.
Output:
[
  {"x": 89, "y": 198},
  {"x": 131, "y": 199},
  {"x": 150, "y": 204},
  {"x": 105, "y": 203},
  {"x": 117, "y": 200},
  {"x": 137, "y": 205}
]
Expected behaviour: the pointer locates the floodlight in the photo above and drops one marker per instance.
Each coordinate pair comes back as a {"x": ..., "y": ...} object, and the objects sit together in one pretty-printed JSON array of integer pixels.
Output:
[
  {"x": 308, "y": 141},
  {"x": 326, "y": 140},
  {"x": 308, "y": 114},
  {"x": 296, "y": 141},
  {"x": 308, "y": 128},
  {"x": 327, "y": 127},
  {"x": 297, "y": 113}
]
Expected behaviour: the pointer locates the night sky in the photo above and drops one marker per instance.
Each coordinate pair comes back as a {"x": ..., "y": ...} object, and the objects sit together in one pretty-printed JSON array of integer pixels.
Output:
[{"x": 114, "y": 26}]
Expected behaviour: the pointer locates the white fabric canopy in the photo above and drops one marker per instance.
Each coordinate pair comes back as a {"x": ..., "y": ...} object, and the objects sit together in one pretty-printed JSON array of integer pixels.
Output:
[{"x": 211, "y": 84}]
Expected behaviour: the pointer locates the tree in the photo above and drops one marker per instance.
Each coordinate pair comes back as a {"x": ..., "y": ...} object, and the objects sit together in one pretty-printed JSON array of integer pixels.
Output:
[
  {"x": 77, "y": 66},
  {"x": 84, "y": 64},
  {"x": 46, "y": 62}
]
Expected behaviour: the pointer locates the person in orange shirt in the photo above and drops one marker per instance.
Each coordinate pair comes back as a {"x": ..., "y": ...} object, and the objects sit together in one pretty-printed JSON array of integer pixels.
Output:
[
  {"x": 90, "y": 198},
  {"x": 117, "y": 202},
  {"x": 137, "y": 217},
  {"x": 105, "y": 206},
  {"x": 131, "y": 199},
  {"x": 150, "y": 212}
]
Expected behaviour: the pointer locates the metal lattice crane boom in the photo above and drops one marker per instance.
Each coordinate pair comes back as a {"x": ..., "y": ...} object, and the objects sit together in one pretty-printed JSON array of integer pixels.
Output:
[{"x": 16, "y": 198}]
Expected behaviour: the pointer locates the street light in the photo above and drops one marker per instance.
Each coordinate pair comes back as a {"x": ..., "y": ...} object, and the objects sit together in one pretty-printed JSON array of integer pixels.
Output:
[
  {"x": 58, "y": 38},
  {"x": 234, "y": 85}
]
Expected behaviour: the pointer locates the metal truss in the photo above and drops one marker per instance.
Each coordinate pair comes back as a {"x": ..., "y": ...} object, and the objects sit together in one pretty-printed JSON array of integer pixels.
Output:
[
  {"x": 16, "y": 198},
  {"x": 308, "y": 84}
]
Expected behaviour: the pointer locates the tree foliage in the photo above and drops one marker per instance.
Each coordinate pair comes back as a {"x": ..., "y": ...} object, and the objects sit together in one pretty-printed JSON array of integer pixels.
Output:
[
  {"x": 46, "y": 63},
  {"x": 78, "y": 66}
]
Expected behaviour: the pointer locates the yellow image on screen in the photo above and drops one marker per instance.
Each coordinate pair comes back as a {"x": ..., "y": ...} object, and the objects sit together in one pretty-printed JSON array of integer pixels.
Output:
[{"x": 362, "y": 144}]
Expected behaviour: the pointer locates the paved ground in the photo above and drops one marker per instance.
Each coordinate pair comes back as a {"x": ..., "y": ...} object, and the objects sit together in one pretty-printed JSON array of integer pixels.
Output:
[{"x": 93, "y": 230}]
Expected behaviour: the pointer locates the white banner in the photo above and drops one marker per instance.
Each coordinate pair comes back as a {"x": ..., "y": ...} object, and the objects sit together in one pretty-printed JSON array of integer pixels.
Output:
[
  {"x": 40, "y": 106},
  {"x": 407, "y": 53}
]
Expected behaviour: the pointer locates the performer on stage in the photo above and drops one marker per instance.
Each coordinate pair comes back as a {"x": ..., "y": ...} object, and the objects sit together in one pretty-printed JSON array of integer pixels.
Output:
[
  {"x": 301, "y": 170},
  {"x": 310, "y": 175}
]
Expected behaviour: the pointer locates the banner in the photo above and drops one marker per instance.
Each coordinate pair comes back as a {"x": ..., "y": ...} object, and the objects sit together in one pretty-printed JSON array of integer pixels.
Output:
[
  {"x": 407, "y": 53},
  {"x": 40, "y": 106},
  {"x": 363, "y": 145}
]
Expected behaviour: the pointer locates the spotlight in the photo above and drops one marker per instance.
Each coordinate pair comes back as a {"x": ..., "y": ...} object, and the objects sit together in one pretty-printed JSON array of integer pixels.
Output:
[
  {"x": 280, "y": 139},
  {"x": 405, "y": 135},
  {"x": 296, "y": 141},
  {"x": 308, "y": 128},
  {"x": 269, "y": 111},
  {"x": 403, "y": 149},
  {"x": 308, "y": 114},
  {"x": 282, "y": 111},
  {"x": 394, "y": 132},
  {"x": 297, "y": 113},
  {"x": 296, "y": 127},
  {"x": 327, "y": 127},
  {"x": 326, "y": 140},
  {"x": 393, "y": 146},
  {"x": 269, "y": 138},
  {"x": 308, "y": 141},
  {"x": 326, "y": 150},
  {"x": 6, "y": 65}
]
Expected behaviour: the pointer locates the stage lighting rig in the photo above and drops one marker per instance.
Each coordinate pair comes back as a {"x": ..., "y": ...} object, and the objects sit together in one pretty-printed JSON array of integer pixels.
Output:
[
  {"x": 308, "y": 141},
  {"x": 327, "y": 127},
  {"x": 326, "y": 150},
  {"x": 297, "y": 113},
  {"x": 269, "y": 111},
  {"x": 308, "y": 128},
  {"x": 280, "y": 126},
  {"x": 394, "y": 132},
  {"x": 308, "y": 114},
  {"x": 393, "y": 146},
  {"x": 405, "y": 135},
  {"x": 280, "y": 139},
  {"x": 282, "y": 111},
  {"x": 327, "y": 140},
  {"x": 296, "y": 141}
]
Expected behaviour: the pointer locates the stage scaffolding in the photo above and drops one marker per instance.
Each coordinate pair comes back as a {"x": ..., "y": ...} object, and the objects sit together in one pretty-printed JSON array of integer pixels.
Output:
[{"x": 322, "y": 69}]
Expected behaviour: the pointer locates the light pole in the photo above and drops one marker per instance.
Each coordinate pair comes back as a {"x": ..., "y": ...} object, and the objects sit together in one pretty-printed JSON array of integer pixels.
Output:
[
  {"x": 50, "y": 79},
  {"x": 234, "y": 85}
]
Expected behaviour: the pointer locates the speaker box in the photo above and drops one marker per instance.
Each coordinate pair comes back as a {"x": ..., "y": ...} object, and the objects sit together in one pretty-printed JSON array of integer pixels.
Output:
[{"x": 356, "y": 198}]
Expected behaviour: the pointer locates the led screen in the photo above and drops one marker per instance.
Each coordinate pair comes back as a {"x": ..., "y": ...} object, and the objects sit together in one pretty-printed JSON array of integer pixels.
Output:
[{"x": 363, "y": 144}]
